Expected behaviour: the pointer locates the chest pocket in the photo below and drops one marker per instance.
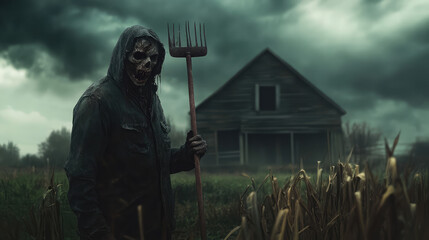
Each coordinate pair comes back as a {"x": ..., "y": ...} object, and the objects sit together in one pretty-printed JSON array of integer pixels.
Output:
[
  {"x": 165, "y": 130},
  {"x": 134, "y": 136}
]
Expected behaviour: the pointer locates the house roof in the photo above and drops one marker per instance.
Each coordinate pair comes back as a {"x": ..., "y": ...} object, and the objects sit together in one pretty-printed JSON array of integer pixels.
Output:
[{"x": 288, "y": 67}]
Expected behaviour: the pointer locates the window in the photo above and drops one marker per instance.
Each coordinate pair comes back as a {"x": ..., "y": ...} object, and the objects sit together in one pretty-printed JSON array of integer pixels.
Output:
[{"x": 267, "y": 97}]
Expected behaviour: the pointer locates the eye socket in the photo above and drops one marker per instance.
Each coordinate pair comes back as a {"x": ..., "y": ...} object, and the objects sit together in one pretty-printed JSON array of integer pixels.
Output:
[
  {"x": 154, "y": 57},
  {"x": 139, "y": 55}
]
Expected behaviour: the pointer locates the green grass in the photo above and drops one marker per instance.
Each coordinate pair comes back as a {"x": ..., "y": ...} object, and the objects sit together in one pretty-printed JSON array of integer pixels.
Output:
[
  {"x": 22, "y": 190},
  {"x": 225, "y": 195},
  {"x": 222, "y": 194}
]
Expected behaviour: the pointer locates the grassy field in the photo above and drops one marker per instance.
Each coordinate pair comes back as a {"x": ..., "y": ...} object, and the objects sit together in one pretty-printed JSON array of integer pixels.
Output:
[
  {"x": 23, "y": 189},
  {"x": 222, "y": 199},
  {"x": 343, "y": 201}
]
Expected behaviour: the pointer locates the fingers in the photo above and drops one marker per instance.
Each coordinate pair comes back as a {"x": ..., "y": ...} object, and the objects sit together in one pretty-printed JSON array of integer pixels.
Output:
[
  {"x": 197, "y": 143},
  {"x": 199, "y": 147},
  {"x": 195, "y": 138},
  {"x": 200, "y": 153}
]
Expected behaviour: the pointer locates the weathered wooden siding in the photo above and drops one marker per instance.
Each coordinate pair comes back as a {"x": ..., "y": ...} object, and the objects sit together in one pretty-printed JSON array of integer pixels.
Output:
[
  {"x": 302, "y": 109},
  {"x": 234, "y": 105}
]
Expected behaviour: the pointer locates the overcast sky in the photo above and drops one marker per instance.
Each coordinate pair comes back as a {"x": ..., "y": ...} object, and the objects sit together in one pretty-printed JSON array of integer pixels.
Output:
[{"x": 369, "y": 56}]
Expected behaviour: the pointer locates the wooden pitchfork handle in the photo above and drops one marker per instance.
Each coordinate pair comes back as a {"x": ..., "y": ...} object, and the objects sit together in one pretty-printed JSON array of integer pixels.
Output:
[
  {"x": 196, "y": 158},
  {"x": 188, "y": 51}
]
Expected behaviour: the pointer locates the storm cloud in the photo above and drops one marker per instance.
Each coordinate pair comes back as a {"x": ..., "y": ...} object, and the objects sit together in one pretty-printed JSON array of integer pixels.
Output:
[{"x": 366, "y": 55}]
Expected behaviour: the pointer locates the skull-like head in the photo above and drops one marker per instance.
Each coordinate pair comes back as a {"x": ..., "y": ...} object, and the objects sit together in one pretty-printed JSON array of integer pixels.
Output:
[{"x": 141, "y": 61}]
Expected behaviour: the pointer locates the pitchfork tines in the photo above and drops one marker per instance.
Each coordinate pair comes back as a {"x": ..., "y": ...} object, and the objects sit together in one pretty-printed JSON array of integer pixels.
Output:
[{"x": 175, "y": 45}]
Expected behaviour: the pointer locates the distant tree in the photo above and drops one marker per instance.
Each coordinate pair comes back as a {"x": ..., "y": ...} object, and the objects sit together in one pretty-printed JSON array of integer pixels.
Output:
[
  {"x": 177, "y": 137},
  {"x": 56, "y": 147},
  {"x": 9, "y": 154},
  {"x": 362, "y": 139},
  {"x": 32, "y": 160},
  {"x": 419, "y": 153}
]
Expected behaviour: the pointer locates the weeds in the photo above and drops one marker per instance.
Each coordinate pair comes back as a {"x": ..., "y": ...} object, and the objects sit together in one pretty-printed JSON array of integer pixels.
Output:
[
  {"x": 345, "y": 201},
  {"x": 347, "y": 204}
]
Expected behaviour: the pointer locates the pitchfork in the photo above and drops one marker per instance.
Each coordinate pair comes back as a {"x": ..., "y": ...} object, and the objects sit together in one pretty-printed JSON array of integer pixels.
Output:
[{"x": 189, "y": 51}]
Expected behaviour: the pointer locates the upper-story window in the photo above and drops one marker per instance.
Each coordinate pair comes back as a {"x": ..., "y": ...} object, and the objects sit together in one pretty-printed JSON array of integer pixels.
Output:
[{"x": 267, "y": 97}]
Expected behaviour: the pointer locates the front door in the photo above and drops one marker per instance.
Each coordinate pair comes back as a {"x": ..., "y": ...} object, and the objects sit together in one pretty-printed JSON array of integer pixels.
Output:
[{"x": 273, "y": 149}]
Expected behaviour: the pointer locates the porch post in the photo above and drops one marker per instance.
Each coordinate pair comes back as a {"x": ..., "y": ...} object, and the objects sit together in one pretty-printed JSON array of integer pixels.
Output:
[
  {"x": 292, "y": 148},
  {"x": 241, "y": 149},
  {"x": 246, "y": 148},
  {"x": 328, "y": 136},
  {"x": 216, "y": 148}
]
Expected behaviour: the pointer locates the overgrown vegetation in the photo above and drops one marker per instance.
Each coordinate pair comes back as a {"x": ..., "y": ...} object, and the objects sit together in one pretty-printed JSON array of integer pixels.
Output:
[
  {"x": 22, "y": 194},
  {"x": 362, "y": 140},
  {"x": 347, "y": 204},
  {"x": 33, "y": 205}
]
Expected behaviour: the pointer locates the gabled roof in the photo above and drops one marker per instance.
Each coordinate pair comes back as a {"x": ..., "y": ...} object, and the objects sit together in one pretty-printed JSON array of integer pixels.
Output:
[{"x": 288, "y": 67}]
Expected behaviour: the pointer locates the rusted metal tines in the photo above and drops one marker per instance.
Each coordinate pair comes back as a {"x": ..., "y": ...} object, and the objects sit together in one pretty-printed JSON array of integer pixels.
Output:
[{"x": 197, "y": 50}]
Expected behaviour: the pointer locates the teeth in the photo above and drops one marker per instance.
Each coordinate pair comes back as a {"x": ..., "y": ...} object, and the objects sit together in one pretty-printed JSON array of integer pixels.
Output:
[{"x": 140, "y": 76}]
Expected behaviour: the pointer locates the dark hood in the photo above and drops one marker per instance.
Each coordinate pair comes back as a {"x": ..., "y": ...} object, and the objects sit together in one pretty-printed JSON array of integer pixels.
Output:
[{"x": 125, "y": 44}]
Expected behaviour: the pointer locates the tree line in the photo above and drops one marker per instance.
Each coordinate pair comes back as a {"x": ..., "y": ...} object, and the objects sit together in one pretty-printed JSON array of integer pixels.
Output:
[
  {"x": 51, "y": 152},
  {"x": 367, "y": 145}
]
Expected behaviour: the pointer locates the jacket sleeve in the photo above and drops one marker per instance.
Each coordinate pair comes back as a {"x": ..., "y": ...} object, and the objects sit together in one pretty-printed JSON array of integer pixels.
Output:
[
  {"x": 180, "y": 160},
  {"x": 88, "y": 143}
]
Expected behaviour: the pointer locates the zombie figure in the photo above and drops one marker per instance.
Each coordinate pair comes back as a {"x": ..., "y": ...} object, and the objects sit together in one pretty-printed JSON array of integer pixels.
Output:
[{"x": 120, "y": 155}]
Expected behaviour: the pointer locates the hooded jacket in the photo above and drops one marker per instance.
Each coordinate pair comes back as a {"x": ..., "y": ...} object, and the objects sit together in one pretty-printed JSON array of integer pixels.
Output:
[{"x": 120, "y": 154}]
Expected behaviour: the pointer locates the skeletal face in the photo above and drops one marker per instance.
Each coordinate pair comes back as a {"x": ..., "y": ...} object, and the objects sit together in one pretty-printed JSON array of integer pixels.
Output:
[{"x": 140, "y": 63}]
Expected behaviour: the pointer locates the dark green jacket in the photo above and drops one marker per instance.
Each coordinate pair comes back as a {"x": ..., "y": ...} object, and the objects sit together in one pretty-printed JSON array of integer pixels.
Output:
[{"x": 120, "y": 153}]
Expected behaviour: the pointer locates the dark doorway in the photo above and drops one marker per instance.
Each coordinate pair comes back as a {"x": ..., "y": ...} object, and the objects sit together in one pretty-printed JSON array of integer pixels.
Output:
[
  {"x": 269, "y": 149},
  {"x": 228, "y": 143},
  {"x": 310, "y": 147}
]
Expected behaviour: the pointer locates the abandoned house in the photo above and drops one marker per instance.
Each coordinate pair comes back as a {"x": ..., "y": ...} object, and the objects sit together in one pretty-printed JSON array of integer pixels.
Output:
[{"x": 269, "y": 114}]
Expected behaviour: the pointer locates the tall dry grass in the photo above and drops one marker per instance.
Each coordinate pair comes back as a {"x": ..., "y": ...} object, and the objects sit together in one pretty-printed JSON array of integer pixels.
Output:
[
  {"x": 346, "y": 204},
  {"x": 45, "y": 222}
]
